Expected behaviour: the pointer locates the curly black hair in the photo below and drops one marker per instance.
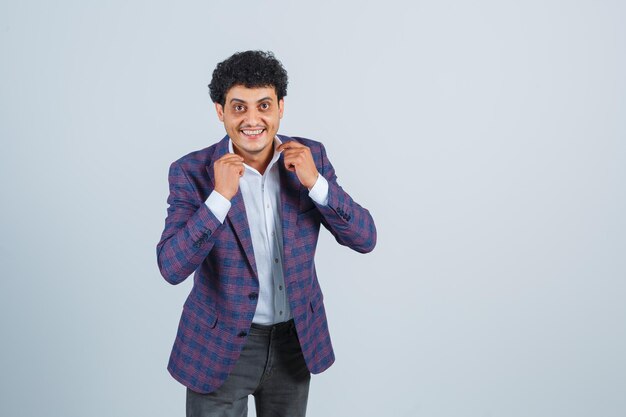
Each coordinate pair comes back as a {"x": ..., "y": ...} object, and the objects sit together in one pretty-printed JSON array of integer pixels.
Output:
[{"x": 250, "y": 69}]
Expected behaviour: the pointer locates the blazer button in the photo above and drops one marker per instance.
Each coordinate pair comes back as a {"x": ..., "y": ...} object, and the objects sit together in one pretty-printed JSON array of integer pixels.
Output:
[
  {"x": 253, "y": 296},
  {"x": 242, "y": 334}
]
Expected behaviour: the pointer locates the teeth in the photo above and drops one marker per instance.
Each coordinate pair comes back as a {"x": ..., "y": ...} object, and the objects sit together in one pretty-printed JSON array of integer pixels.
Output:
[{"x": 252, "y": 132}]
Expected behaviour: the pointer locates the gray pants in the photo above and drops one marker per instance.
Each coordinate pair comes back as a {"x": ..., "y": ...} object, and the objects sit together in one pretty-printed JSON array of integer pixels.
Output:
[{"x": 271, "y": 367}]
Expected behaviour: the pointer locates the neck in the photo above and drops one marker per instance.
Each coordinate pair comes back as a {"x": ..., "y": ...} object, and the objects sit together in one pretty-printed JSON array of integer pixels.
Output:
[{"x": 258, "y": 161}]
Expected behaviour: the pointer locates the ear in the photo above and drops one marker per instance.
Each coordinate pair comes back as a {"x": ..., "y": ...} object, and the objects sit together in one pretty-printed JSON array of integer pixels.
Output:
[
  {"x": 281, "y": 107},
  {"x": 220, "y": 111}
]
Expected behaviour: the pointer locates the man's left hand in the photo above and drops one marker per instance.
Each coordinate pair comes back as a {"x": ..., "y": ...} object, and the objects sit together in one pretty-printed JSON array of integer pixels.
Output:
[{"x": 298, "y": 159}]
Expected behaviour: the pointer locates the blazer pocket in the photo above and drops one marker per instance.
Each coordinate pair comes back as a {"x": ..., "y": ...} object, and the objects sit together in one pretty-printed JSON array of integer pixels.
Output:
[
  {"x": 201, "y": 312},
  {"x": 305, "y": 204},
  {"x": 308, "y": 211},
  {"x": 316, "y": 301}
]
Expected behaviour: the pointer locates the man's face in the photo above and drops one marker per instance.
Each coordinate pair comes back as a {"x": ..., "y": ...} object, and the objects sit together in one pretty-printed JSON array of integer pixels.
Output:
[{"x": 251, "y": 117}]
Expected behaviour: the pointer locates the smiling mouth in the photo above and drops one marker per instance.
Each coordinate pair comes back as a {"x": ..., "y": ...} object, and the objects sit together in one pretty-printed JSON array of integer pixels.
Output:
[{"x": 250, "y": 132}]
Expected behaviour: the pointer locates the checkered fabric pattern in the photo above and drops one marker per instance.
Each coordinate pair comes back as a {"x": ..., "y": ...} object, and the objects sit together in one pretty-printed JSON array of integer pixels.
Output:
[{"x": 218, "y": 312}]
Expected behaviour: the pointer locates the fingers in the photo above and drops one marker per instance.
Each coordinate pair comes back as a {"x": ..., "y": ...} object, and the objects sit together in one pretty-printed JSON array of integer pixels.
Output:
[
  {"x": 231, "y": 163},
  {"x": 298, "y": 159},
  {"x": 289, "y": 145},
  {"x": 227, "y": 171},
  {"x": 296, "y": 156},
  {"x": 230, "y": 157}
]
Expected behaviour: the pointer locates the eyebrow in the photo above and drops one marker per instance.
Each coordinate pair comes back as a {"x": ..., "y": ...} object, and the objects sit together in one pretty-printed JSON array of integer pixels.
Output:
[{"x": 238, "y": 100}]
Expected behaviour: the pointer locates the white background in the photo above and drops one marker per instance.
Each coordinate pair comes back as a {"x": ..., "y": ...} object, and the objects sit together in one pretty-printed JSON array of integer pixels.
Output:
[{"x": 486, "y": 138}]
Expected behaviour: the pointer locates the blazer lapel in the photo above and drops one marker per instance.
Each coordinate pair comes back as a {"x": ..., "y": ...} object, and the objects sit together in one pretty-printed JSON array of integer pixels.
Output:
[
  {"x": 236, "y": 216},
  {"x": 290, "y": 199},
  {"x": 239, "y": 221}
]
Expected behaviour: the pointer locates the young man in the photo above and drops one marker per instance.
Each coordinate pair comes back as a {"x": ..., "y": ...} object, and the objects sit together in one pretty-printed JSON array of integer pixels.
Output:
[{"x": 244, "y": 215}]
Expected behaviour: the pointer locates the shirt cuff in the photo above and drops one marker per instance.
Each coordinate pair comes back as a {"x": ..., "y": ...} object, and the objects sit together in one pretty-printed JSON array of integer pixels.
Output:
[
  {"x": 218, "y": 204},
  {"x": 319, "y": 191}
]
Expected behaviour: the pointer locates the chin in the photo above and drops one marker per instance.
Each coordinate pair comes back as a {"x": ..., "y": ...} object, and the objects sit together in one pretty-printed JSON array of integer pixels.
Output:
[{"x": 253, "y": 147}]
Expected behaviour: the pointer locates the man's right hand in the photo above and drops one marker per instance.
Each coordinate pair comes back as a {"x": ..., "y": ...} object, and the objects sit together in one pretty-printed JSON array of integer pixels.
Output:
[{"x": 227, "y": 171}]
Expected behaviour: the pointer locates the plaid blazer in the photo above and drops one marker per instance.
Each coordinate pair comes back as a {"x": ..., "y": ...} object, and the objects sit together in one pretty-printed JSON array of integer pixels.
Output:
[{"x": 218, "y": 312}]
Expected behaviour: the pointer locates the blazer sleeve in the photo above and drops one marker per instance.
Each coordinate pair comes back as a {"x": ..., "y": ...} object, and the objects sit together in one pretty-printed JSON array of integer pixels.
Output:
[
  {"x": 190, "y": 229},
  {"x": 350, "y": 224}
]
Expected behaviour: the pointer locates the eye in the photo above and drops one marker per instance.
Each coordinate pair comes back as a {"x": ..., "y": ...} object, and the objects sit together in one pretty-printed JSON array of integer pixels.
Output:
[
  {"x": 265, "y": 106},
  {"x": 239, "y": 107}
]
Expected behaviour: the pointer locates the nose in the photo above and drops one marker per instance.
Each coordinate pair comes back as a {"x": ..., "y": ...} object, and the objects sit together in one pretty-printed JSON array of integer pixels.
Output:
[{"x": 253, "y": 118}]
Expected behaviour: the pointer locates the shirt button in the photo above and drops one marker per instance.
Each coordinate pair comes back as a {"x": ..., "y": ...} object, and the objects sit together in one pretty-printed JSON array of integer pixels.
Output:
[
  {"x": 275, "y": 260},
  {"x": 253, "y": 296},
  {"x": 280, "y": 287},
  {"x": 281, "y": 313}
]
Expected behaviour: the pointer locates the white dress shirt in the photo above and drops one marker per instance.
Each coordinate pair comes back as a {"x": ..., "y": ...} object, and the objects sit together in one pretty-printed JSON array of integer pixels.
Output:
[{"x": 261, "y": 197}]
